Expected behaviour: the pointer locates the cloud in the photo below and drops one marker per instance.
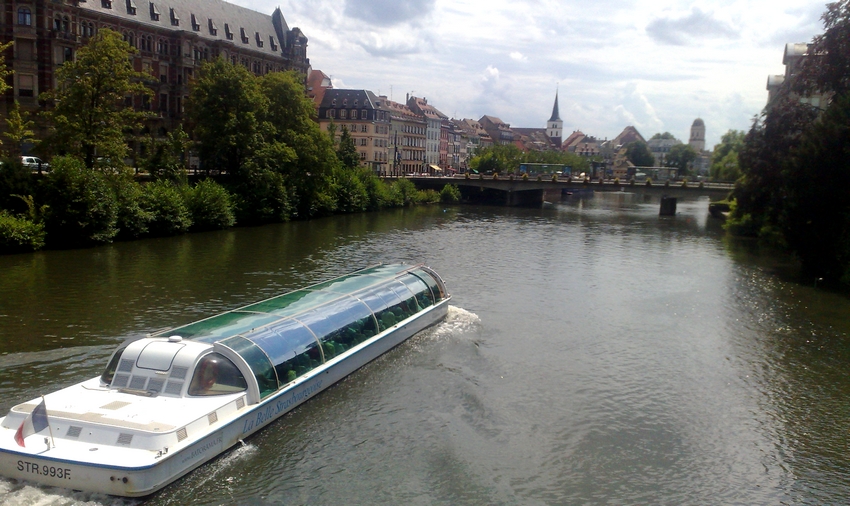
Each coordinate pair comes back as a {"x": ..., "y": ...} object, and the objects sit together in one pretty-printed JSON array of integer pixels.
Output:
[
  {"x": 683, "y": 31},
  {"x": 636, "y": 109},
  {"x": 516, "y": 55},
  {"x": 389, "y": 12},
  {"x": 387, "y": 45}
]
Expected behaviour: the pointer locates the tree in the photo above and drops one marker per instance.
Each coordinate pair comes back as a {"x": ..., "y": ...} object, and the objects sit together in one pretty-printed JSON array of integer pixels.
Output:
[
  {"x": 18, "y": 129},
  {"x": 4, "y": 71},
  {"x": 815, "y": 219},
  {"x": 298, "y": 148},
  {"x": 826, "y": 68},
  {"x": 639, "y": 154},
  {"x": 664, "y": 136},
  {"x": 681, "y": 156},
  {"x": 90, "y": 110},
  {"x": 347, "y": 151},
  {"x": 724, "y": 159},
  {"x": 224, "y": 108}
]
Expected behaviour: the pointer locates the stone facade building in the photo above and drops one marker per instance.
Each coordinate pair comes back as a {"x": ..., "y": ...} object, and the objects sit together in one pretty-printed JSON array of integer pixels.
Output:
[
  {"x": 173, "y": 37},
  {"x": 367, "y": 119}
]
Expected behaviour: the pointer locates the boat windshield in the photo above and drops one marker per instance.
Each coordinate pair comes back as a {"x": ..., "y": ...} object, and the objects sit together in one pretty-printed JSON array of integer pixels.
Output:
[
  {"x": 286, "y": 336},
  {"x": 216, "y": 375}
]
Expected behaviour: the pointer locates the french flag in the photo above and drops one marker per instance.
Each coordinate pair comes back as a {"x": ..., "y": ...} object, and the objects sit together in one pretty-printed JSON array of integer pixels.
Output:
[{"x": 36, "y": 421}]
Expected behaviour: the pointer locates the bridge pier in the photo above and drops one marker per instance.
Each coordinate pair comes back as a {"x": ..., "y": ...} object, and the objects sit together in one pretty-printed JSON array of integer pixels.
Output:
[{"x": 524, "y": 198}]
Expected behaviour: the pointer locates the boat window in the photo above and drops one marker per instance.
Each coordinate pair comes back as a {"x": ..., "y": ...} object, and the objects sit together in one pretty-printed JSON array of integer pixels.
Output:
[
  {"x": 216, "y": 375},
  {"x": 291, "y": 347},
  {"x": 328, "y": 323},
  {"x": 420, "y": 290},
  {"x": 436, "y": 288},
  {"x": 223, "y": 325},
  {"x": 257, "y": 360},
  {"x": 112, "y": 366}
]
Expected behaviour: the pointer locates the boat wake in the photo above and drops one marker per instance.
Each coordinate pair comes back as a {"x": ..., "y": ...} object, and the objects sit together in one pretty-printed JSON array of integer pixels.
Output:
[
  {"x": 28, "y": 494},
  {"x": 458, "y": 321}
]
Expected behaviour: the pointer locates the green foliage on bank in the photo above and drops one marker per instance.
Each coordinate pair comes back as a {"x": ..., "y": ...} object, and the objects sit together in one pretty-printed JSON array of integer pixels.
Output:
[
  {"x": 795, "y": 160},
  {"x": 19, "y": 234}
]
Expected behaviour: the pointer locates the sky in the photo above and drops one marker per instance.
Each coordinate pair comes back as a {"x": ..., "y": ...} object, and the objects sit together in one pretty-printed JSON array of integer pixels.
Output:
[{"x": 656, "y": 65}]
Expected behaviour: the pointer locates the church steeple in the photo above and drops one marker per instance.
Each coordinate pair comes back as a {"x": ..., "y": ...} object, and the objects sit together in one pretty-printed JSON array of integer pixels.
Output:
[
  {"x": 554, "y": 126},
  {"x": 555, "y": 114}
]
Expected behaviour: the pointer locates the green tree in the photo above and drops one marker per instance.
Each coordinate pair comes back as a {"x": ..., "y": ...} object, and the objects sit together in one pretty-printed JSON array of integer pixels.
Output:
[
  {"x": 89, "y": 110},
  {"x": 224, "y": 109},
  {"x": 347, "y": 151},
  {"x": 4, "y": 71},
  {"x": 724, "y": 159},
  {"x": 815, "y": 219},
  {"x": 165, "y": 156},
  {"x": 665, "y": 136},
  {"x": 297, "y": 147},
  {"x": 18, "y": 129},
  {"x": 639, "y": 154},
  {"x": 681, "y": 156}
]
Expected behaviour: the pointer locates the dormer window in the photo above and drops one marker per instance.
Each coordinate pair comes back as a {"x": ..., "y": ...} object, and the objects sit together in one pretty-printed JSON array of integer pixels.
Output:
[
  {"x": 258, "y": 39},
  {"x": 175, "y": 19},
  {"x": 227, "y": 32},
  {"x": 272, "y": 43},
  {"x": 154, "y": 12},
  {"x": 106, "y": 4},
  {"x": 195, "y": 25},
  {"x": 243, "y": 35},
  {"x": 131, "y": 7},
  {"x": 213, "y": 28}
]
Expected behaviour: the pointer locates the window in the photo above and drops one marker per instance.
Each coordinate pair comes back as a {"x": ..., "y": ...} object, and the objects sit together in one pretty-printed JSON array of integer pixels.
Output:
[
  {"x": 106, "y": 4},
  {"x": 24, "y": 16},
  {"x": 68, "y": 53},
  {"x": 362, "y": 155},
  {"x": 243, "y": 35},
  {"x": 343, "y": 113},
  {"x": 26, "y": 86},
  {"x": 175, "y": 20},
  {"x": 154, "y": 12},
  {"x": 216, "y": 375},
  {"x": 213, "y": 28},
  {"x": 364, "y": 128},
  {"x": 272, "y": 43},
  {"x": 364, "y": 114},
  {"x": 227, "y": 32},
  {"x": 258, "y": 39},
  {"x": 195, "y": 25},
  {"x": 331, "y": 113},
  {"x": 131, "y": 7},
  {"x": 364, "y": 142}
]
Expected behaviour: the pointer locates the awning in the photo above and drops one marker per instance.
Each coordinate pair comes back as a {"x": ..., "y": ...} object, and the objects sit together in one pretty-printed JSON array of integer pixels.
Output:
[{"x": 436, "y": 168}]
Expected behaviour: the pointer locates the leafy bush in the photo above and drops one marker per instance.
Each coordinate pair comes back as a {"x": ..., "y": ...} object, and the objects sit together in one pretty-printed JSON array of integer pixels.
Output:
[
  {"x": 427, "y": 197},
  {"x": 351, "y": 193},
  {"x": 377, "y": 192},
  {"x": 260, "y": 196},
  {"x": 210, "y": 206},
  {"x": 403, "y": 192},
  {"x": 132, "y": 218},
  {"x": 451, "y": 194},
  {"x": 18, "y": 234},
  {"x": 166, "y": 203},
  {"x": 81, "y": 205},
  {"x": 15, "y": 179}
]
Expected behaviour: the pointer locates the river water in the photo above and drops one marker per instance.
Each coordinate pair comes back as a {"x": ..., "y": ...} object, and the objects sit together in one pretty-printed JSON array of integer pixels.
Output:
[{"x": 594, "y": 353}]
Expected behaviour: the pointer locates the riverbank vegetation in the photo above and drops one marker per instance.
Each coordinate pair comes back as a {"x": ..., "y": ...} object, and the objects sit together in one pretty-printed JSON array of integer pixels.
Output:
[
  {"x": 794, "y": 161},
  {"x": 264, "y": 159}
]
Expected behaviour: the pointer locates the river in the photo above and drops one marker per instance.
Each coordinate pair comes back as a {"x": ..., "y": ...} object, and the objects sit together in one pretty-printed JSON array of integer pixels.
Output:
[{"x": 594, "y": 353}]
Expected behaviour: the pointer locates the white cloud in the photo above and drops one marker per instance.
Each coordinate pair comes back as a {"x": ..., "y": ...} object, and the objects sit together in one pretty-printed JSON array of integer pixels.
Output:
[{"x": 655, "y": 66}]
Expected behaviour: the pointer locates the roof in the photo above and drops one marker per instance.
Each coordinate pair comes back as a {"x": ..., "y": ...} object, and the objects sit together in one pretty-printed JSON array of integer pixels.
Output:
[
  {"x": 555, "y": 114},
  {"x": 363, "y": 99},
  {"x": 209, "y": 16}
]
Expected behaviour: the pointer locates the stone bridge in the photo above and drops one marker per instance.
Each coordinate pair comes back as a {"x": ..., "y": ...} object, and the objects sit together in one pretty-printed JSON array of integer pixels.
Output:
[{"x": 531, "y": 192}]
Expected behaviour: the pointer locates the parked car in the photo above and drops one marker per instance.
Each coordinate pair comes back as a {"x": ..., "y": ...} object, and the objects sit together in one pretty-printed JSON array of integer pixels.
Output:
[{"x": 34, "y": 163}]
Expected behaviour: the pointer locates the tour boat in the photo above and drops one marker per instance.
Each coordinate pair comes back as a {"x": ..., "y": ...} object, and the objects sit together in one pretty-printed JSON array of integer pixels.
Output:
[{"x": 175, "y": 399}]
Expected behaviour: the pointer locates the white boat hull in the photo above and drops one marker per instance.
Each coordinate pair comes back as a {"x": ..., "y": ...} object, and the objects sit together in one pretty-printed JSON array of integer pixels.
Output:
[{"x": 72, "y": 464}]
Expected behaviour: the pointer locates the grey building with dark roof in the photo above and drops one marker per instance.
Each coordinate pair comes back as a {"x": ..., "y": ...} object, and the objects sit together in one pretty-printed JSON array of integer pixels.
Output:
[{"x": 174, "y": 37}]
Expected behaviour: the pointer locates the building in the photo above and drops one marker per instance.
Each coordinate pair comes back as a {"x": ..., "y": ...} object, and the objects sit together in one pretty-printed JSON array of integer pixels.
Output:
[
  {"x": 436, "y": 143},
  {"x": 499, "y": 131},
  {"x": 407, "y": 138},
  {"x": 366, "y": 118},
  {"x": 173, "y": 38},
  {"x": 660, "y": 147},
  {"x": 697, "y": 139},
  {"x": 555, "y": 126},
  {"x": 792, "y": 58}
]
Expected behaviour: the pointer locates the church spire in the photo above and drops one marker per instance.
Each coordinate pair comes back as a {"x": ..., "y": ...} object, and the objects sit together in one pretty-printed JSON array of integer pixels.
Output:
[{"x": 556, "y": 116}]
